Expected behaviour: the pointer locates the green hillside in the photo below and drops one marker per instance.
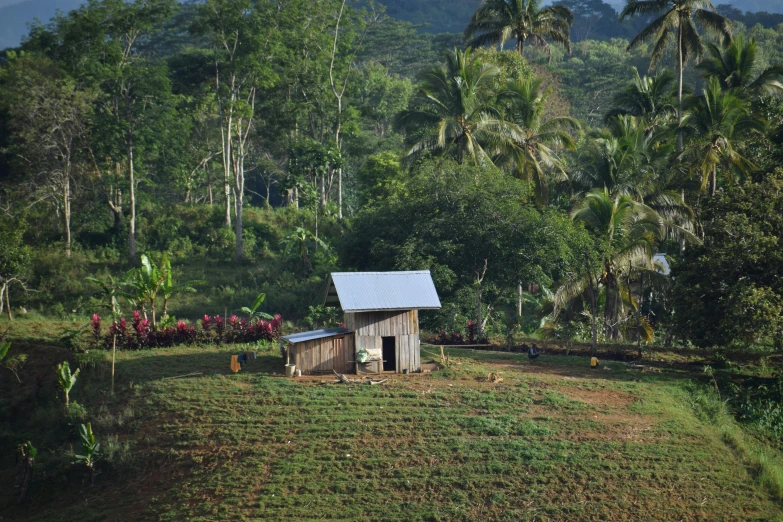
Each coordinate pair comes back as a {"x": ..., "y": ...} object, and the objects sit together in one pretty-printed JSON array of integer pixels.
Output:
[{"x": 551, "y": 439}]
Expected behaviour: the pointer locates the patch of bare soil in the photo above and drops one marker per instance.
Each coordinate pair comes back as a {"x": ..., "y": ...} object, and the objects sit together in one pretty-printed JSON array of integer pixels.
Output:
[{"x": 601, "y": 398}]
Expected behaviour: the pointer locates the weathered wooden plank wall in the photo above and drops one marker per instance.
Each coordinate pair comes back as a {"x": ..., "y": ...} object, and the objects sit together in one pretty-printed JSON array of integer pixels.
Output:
[
  {"x": 324, "y": 355},
  {"x": 370, "y": 327}
]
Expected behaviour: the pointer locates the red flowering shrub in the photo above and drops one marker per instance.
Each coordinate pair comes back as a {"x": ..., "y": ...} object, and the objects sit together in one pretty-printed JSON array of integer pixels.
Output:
[
  {"x": 471, "y": 329},
  {"x": 96, "y": 328},
  {"x": 213, "y": 329}
]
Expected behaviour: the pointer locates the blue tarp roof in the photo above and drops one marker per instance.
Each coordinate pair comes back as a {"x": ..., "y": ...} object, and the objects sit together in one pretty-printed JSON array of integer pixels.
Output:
[
  {"x": 371, "y": 291},
  {"x": 315, "y": 334}
]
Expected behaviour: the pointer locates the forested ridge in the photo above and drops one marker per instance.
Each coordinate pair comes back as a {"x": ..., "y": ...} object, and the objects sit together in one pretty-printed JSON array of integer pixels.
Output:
[{"x": 261, "y": 145}]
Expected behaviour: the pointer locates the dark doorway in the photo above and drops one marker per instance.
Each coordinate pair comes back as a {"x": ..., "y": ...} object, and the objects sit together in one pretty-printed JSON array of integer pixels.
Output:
[{"x": 389, "y": 355}]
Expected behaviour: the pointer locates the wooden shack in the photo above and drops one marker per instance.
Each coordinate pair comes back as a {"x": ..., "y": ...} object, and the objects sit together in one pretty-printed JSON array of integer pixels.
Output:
[
  {"x": 380, "y": 317},
  {"x": 382, "y": 310},
  {"x": 322, "y": 351}
]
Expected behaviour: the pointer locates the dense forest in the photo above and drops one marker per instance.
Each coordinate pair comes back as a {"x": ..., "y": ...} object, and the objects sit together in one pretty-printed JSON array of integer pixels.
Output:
[{"x": 563, "y": 171}]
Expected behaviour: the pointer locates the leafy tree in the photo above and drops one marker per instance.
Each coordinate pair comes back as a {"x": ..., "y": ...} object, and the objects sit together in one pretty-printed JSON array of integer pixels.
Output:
[
  {"x": 678, "y": 20},
  {"x": 378, "y": 176},
  {"x": 718, "y": 121},
  {"x": 66, "y": 379},
  {"x": 728, "y": 290},
  {"x": 49, "y": 118},
  {"x": 244, "y": 36},
  {"x": 14, "y": 260},
  {"x": 523, "y": 20},
  {"x": 739, "y": 67},
  {"x": 455, "y": 111},
  {"x": 302, "y": 241},
  {"x": 473, "y": 229},
  {"x": 104, "y": 44}
]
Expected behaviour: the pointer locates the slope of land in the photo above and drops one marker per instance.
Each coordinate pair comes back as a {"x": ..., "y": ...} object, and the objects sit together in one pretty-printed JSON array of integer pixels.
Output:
[{"x": 552, "y": 440}]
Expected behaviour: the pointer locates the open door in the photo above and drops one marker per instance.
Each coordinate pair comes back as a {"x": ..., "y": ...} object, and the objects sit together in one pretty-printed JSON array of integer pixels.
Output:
[{"x": 389, "y": 353}]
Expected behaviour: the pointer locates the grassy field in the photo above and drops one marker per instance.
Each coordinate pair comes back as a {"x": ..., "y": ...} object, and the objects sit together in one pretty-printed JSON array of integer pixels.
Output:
[{"x": 552, "y": 440}]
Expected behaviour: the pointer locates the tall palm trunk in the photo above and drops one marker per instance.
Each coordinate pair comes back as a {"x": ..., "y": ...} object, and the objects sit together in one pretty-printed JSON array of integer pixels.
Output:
[
  {"x": 680, "y": 67},
  {"x": 521, "y": 45},
  {"x": 593, "y": 304}
]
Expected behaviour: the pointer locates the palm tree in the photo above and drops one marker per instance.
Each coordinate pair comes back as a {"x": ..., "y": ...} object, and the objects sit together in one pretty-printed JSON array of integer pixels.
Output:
[
  {"x": 626, "y": 159},
  {"x": 529, "y": 158},
  {"x": 647, "y": 97},
  {"x": 678, "y": 21},
  {"x": 500, "y": 20},
  {"x": 738, "y": 66},
  {"x": 718, "y": 121},
  {"x": 455, "y": 110},
  {"x": 627, "y": 232}
]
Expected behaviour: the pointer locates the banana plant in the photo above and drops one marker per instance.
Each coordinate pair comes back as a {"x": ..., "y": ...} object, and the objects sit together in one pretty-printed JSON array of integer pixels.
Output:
[
  {"x": 169, "y": 288},
  {"x": 253, "y": 312},
  {"x": 145, "y": 283},
  {"x": 89, "y": 449},
  {"x": 66, "y": 379},
  {"x": 112, "y": 289}
]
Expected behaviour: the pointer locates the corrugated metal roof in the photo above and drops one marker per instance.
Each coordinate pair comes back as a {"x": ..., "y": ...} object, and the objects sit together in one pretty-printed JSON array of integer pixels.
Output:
[
  {"x": 370, "y": 291},
  {"x": 315, "y": 334}
]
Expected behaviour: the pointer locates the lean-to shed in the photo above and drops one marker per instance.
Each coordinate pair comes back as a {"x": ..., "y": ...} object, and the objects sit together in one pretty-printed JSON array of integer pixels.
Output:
[
  {"x": 326, "y": 350},
  {"x": 381, "y": 317}
]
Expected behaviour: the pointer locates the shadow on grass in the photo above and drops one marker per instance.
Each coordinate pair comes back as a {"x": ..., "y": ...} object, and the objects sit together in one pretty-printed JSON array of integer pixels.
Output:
[
  {"x": 143, "y": 366},
  {"x": 569, "y": 366}
]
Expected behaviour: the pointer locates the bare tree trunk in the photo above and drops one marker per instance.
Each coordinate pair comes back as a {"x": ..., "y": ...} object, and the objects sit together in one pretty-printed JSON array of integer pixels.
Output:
[
  {"x": 113, "y": 358},
  {"x": 132, "y": 233},
  {"x": 67, "y": 210},
  {"x": 479, "y": 322},
  {"x": 713, "y": 180},
  {"x": 114, "y": 199},
  {"x": 682, "y": 237},
  {"x": 519, "y": 299},
  {"x": 340, "y": 193},
  {"x": 7, "y": 289},
  {"x": 239, "y": 201},
  {"x": 477, "y": 286}
]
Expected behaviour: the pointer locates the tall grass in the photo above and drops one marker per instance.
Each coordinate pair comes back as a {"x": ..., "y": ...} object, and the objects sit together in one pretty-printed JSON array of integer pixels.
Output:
[{"x": 763, "y": 463}]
